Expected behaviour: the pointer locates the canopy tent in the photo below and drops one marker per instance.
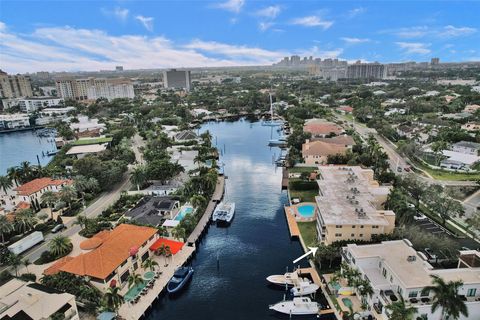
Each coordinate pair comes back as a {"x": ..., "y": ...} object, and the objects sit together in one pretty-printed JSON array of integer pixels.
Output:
[{"x": 175, "y": 246}]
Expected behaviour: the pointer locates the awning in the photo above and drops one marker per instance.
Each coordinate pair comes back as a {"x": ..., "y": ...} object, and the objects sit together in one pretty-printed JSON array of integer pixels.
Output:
[
  {"x": 175, "y": 246},
  {"x": 106, "y": 316},
  {"x": 170, "y": 223}
]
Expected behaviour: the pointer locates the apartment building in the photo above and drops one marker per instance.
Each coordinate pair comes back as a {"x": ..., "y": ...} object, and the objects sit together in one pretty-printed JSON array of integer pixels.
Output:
[
  {"x": 394, "y": 269},
  {"x": 31, "y": 104},
  {"x": 350, "y": 205},
  {"x": 15, "y": 86},
  {"x": 13, "y": 121},
  {"x": 30, "y": 300},
  {"x": 95, "y": 88},
  {"x": 177, "y": 79},
  {"x": 366, "y": 71}
]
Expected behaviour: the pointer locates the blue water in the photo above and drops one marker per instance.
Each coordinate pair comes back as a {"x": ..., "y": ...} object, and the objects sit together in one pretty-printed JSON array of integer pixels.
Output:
[
  {"x": 255, "y": 245},
  {"x": 182, "y": 213},
  {"x": 306, "y": 210},
  {"x": 16, "y": 147}
]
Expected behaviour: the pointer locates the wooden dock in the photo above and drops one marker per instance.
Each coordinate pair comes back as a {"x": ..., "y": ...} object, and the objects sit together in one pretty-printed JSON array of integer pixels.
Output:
[
  {"x": 292, "y": 223},
  {"x": 284, "y": 178},
  {"x": 312, "y": 272},
  {"x": 205, "y": 219}
]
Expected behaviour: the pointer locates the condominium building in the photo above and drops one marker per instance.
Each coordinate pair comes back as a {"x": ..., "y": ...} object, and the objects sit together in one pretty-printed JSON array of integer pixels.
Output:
[
  {"x": 33, "y": 301},
  {"x": 395, "y": 269},
  {"x": 13, "y": 121},
  {"x": 177, "y": 79},
  {"x": 360, "y": 70},
  {"x": 14, "y": 86},
  {"x": 95, "y": 88},
  {"x": 350, "y": 205},
  {"x": 31, "y": 104}
]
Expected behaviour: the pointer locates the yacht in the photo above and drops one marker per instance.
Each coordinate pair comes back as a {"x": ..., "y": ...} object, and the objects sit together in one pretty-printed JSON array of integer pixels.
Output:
[
  {"x": 224, "y": 212},
  {"x": 297, "y": 306},
  {"x": 289, "y": 279},
  {"x": 304, "y": 288},
  {"x": 272, "y": 122},
  {"x": 180, "y": 278}
]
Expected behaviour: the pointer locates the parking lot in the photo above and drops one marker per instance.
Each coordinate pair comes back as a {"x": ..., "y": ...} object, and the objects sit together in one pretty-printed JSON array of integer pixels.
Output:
[{"x": 431, "y": 227}]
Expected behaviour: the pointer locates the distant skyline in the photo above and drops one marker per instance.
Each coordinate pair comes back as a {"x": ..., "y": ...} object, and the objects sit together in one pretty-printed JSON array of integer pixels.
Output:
[{"x": 93, "y": 35}]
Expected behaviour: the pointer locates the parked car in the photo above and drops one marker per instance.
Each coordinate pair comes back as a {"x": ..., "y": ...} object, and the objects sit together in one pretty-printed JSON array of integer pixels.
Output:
[
  {"x": 58, "y": 227},
  {"x": 419, "y": 217}
]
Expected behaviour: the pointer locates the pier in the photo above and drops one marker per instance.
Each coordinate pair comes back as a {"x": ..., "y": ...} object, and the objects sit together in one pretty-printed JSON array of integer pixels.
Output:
[
  {"x": 292, "y": 223},
  {"x": 284, "y": 178}
]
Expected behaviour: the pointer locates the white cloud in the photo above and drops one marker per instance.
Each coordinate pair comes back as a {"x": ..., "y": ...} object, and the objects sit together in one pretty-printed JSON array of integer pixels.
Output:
[
  {"x": 412, "y": 32},
  {"x": 312, "y": 21},
  {"x": 119, "y": 13},
  {"x": 146, "y": 21},
  {"x": 270, "y": 12},
  {"x": 52, "y": 49},
  {"x": 451, "y": 31},
  {"x": 414, "y": 47},
  {"x": 231, "y": 5},
  {"x": 355, "y": 40},
  {"x": 355, "y": 12},
  {"x": 264, "y": 26}
]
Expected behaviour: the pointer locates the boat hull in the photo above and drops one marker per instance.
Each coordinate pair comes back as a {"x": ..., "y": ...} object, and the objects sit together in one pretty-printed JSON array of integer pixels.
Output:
[
  {"x": 288, "y": 307},
  {"x": 304, "y": 290},
  {"x": 181, "y": 285}
]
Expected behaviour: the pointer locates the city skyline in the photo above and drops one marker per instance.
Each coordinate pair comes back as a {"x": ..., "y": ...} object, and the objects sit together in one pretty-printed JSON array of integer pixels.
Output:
[{"x": 81, "y": 36}]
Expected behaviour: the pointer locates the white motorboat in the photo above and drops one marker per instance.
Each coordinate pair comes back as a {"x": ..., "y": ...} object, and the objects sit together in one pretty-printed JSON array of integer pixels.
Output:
[
  {"x": 224, "y": 212},
  {"x": 289, "y": 279},
  {"x": 297, "y": 306},
  {"x": 304, "y": 288}
]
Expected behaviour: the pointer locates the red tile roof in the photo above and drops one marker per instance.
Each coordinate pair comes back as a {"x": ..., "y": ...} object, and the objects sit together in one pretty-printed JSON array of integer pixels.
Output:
[
  {"x": 102, "y": 261},
  {"x": 324, "y": 128},
  {"x": 55, "y": 268},
  {"x": 39, "y": 184}
]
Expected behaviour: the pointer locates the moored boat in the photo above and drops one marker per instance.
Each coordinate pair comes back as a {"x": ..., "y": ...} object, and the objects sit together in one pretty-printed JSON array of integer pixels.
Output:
[
  {"x": 180, "y": 278},
  {"x": 224, "y": 212},
  {"x": 289, "y": 279},
  {"x": 304, "y": 288},
  {"x": 297, "y": 306}
]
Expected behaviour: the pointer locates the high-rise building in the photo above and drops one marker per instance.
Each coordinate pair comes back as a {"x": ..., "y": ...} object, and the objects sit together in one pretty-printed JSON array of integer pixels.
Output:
[
  {"x": 177, "y": 79},
  {"x": 95, "y": 88},
  {"x": 15, "y": 86},
  {"x": 435, "y": 61},
  {"x": 119, "y": 68},
  {"x": 360, "y": 70}
]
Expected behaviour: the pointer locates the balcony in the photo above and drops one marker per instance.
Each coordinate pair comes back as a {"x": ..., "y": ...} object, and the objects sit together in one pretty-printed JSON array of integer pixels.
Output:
[{"x": 345, "y": 256}]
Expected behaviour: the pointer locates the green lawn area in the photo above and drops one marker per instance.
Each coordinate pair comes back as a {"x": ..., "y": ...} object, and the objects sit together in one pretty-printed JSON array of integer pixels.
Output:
[
  {"x": 302, "y": 169},
  {"x": 447, "y": 175},
  {"x": 305, "y": 195},
  {"x": 83, "y": 142},
  {"x": 308, "y": 231},
  {"x": 306, "y": 192}
]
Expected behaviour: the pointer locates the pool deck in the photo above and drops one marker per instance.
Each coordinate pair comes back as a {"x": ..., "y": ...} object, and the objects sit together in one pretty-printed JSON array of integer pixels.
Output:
[{"x": 292, "y": 222}]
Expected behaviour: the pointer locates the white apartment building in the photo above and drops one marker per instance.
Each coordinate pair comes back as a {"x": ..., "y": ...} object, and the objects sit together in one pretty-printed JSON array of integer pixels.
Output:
[
  {"x": 111, "y": 89},
  {"x": 30, "y": 300},
  {"x": 13, "y": 121},
  {"x": 395, "y": 269},
  {"x": 350, "y": 204},
  {"x": 31, "y": 104}
]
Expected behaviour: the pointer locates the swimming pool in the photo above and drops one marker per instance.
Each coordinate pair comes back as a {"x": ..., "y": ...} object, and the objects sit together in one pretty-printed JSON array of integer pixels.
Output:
[
  {"x": 306, "y": 210},
  {"x": 183, "y": 211},
  {"x": 347, "y": 302},
  {"x": 134, "y": 291}
]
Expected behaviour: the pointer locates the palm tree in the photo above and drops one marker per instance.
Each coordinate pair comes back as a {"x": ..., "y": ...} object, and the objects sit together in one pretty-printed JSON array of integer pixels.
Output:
[
  {"x": 112, "y": 299},
  {"x": 67, "y": 194},
  {"x": 83, "y": 184},
  {"x": 14, "y": 261},
  {"x": 446, "y": 297},
  {"x": 179, "y": 233},
  {"x": 25, "y": 171},
  {"x": 162, "y": 251},
  {"x": 5, "y": 183},
  {"x": 14, "y": 174},
  {"x": 400, "y": 311},
  {"x": 60, "y": 245},
  {"x": 138, "y": 176},
  {"x": 5, "y": 227},
  {"x": 25, "y": 220},
  {"x": 198, "y": 201},
  {"x": 134, "y": 279},
  {"x": 26, "y": 262},
  {"x": 81, "y": 220},
  {"x": 49, "y": 198},
  {"x": 149, "y": 264}
]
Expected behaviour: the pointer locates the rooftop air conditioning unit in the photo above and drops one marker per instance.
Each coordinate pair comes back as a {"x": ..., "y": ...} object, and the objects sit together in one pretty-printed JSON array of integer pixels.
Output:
[{"x": 411, "y": 258}]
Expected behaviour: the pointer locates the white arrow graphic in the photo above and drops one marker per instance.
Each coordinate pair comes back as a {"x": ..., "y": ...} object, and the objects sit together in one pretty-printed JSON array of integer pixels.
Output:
[{"x": 312, "y": 251}]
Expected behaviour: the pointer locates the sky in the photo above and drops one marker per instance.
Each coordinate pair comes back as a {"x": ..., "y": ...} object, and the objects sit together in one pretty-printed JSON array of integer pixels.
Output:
[{"x": 92, "y": 35}]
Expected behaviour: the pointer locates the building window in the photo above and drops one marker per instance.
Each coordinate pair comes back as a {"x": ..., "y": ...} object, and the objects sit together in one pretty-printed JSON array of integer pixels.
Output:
[
  {"x": 338, "y": 226},
  {"x": 384, "y": 272},
  {"x": 353, "y": 227},
  {"x": 413, "y": 294},
  {"x": 361, "y": 227},
  {"x": 360, "y": 235},
  {"x": 425, "y": 293},
  {"x": 399, "y": 291},
  {"x": 352, "y": 235},
  {"x": 145, "y": 256},
  {"x": 380, "y": 264},
  {"x": 391, "y": 279},
  {"x": 471, "y": 292},
  {"x": 338, "y": 234}
]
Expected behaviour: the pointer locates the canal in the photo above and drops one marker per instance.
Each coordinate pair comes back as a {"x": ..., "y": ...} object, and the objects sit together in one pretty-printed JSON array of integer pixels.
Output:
[
  {"x": 16, "y": 147},
  {"x": 256, "y": 244}
]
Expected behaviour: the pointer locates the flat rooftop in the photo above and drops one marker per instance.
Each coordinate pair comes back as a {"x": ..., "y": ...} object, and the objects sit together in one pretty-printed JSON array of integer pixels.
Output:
[
  {"x": 147, "y": 210},
  {"x": 347, "y": 195},
  {"x": 413, "y": 274}
]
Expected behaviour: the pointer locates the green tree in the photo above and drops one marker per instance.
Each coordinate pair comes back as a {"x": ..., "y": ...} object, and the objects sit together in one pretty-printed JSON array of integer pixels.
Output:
[
  {"x": 25, "y": 220},
  {"x": 5, "y": 227},
  {"x": 134, "y": 279},
  {"x": 400, "y": 311},
  {"x": 446, "y": 298},
  {"x": 60, "y": 245},
  {"x": 179, "y": 233},
  {"x": 67, "y": 195},
  {"x": 26, "y": 262},
  {"x": 198, "y": 201},
  {"x": 14, "y": 261},
  {"x": 5, "y": 183},
  {"x": 49, "y": 198},
  {"x": 14, "y": 174},
  {"x": 112, "y": 299},
  {"x": 138, "y": 176},
  {"x": 149, "y": 264}
]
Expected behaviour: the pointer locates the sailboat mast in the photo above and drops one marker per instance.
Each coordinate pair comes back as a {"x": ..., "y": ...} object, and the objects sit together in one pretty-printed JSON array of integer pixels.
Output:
[{"x": 271, "y": 107}]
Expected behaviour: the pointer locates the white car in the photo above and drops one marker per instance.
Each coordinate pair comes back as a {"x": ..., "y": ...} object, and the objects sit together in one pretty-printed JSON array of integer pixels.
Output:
[{"x": 420, "y": 217}]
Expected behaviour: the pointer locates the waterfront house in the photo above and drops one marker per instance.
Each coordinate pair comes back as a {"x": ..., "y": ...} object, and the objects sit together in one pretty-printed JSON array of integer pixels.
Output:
[
  {"x": 153, "y": 210},
  {"x": 317, "y": 152},
  {"x": 466, "y": 147},
  {"x": 471, "y": 126},
  {"x": 320, "y": 128},
  {"x": 33, "y": 301},
  {"x": 113, "y": 255},
  {"x": 350, "y": 205},
  {"x": 184, "y": 135},
  {"x": 14, "y": 121},
  {"x": 395, "y": 269},
  {"x": 84, "y": 124},
  {"x": 343, "y": 140},
  {"x": 32, "y": 191},
  {"x": 81, "y": 151}
]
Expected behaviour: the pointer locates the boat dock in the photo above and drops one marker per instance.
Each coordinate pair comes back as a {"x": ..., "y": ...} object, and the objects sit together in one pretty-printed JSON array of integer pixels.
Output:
[
  {"x": 292, "y": 223},
  {"x": 205, "y": 219},
  {"x": 284, "y": 178}
]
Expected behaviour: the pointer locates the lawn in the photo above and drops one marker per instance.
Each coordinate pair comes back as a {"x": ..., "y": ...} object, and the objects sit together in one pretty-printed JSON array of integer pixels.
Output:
[
  {"x": 308, "y": 231},
  {"x": 304, "y": 195},
  {"x": 83, "y": 142},
  {"x": 306, "y": 191},
  {"x": 448, "y": 175},
  {"x": 302, "y": 169}
]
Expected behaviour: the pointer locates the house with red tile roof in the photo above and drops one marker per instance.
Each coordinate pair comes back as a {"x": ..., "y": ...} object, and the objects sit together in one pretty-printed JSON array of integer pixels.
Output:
[
  {"x": 113, "y": 256},
  {"x": 320, "y": 128},
  {"x": 31, "y": 192},
  {"x": 317, "y": 152}
]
